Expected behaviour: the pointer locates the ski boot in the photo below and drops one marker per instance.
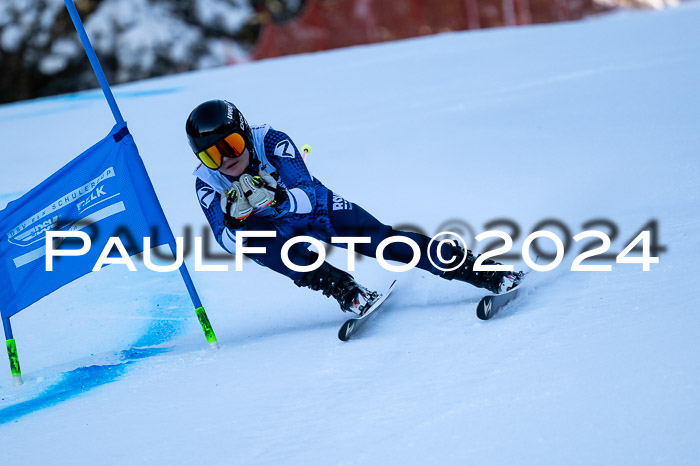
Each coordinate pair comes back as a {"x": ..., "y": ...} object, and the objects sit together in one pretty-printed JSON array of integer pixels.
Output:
[
  {"x": 351, "y": 296},
  {"x": 495, "y": 281}
]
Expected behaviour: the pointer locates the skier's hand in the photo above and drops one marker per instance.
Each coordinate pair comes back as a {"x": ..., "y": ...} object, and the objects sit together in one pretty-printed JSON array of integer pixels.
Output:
[
  {"x": 235, "y": 206},
  {"x": 271, "y": 181},
  {"x": 262, "y": 190}
]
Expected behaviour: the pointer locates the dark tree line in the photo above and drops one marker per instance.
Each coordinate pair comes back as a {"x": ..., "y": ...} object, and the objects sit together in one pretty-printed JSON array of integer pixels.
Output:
[{"x": 41, "y": 55}]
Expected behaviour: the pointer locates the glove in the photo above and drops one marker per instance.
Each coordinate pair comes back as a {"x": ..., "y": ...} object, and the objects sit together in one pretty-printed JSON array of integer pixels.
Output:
[
  {"x": 262, "y": 190},
  {"x": 235, "y": 206},
  {"x": 271, "y": 181}
]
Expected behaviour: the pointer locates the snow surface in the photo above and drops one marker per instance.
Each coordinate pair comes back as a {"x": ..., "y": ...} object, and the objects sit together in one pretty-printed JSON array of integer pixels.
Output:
[{"x": 595, "y": 119}]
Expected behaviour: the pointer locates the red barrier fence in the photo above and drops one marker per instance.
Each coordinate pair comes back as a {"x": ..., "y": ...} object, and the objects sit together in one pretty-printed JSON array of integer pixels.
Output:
[{"x": 329, "y": 24}]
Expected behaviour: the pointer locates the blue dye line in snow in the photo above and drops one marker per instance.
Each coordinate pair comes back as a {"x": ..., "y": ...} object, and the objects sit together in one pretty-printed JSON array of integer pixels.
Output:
[
  {"x": 84, "y": 379},
  {"x": 97, "y": 94},
  {"x": 76, "y": 100}
]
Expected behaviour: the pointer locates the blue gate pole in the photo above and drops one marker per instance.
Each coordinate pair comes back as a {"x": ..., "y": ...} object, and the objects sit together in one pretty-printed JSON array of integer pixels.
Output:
[
  {"x": 199, "y": 309},
  {"x": 93, "y": 60},
  {"x": 12, "y": 351}
]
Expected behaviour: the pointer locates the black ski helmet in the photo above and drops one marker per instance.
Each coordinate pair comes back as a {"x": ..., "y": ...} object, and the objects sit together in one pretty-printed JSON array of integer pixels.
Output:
[{"x": 213, "y": 120}]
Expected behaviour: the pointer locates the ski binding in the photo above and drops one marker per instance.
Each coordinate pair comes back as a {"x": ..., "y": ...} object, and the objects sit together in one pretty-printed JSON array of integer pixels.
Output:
[{"x": 352, "y": 325}]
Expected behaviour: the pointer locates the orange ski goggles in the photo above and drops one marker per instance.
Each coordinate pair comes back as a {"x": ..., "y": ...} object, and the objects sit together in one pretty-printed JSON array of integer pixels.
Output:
[{"x": 232, "y": 146}]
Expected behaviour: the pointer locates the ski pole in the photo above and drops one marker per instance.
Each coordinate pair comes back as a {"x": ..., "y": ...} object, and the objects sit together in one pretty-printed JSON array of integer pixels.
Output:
[{"x": 305, "y": 150}]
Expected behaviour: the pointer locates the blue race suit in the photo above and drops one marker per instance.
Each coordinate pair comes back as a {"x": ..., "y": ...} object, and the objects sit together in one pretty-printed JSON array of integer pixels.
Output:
[{"x": 311, "y": 209}]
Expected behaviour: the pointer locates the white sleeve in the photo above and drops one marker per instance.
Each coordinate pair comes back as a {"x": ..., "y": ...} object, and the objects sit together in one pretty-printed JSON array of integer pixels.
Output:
[
  {"x": 299, "y": 202},
  {"x": 228, "y": 240}
]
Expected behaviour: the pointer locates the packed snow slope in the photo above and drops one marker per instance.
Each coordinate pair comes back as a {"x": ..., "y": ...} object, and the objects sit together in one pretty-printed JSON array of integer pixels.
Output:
[{"x": 575, "y": 122}]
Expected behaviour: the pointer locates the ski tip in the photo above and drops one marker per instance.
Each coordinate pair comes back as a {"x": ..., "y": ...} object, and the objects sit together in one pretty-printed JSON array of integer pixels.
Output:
[
  {"x": 483, "y": 310},
  {"x": 346, "y": 330}
]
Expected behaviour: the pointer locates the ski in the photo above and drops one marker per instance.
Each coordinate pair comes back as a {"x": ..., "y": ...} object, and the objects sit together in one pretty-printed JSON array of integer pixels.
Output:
[
  {"x": 352, "y": 325},
  {"x": 491, "y": 304}
]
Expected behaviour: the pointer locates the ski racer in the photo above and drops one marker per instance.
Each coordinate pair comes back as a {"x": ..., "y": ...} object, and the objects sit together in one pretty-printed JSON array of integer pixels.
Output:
[{"x": 254, "y": 178}]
